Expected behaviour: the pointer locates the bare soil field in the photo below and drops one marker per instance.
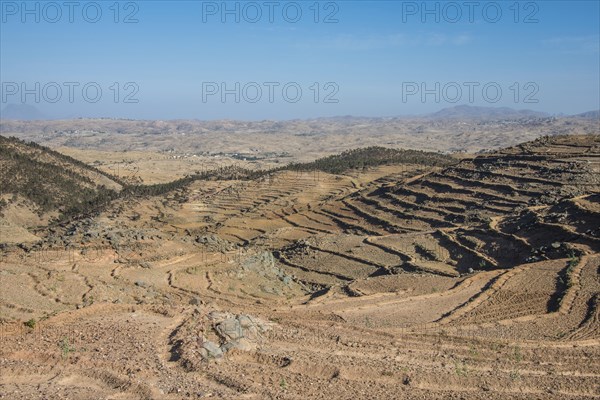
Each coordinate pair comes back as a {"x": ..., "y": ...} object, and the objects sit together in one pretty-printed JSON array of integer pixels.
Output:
[{"x": 476, "y": 281}]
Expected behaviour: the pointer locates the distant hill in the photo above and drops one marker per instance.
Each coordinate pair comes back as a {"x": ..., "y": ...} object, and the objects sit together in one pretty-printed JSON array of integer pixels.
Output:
[
  {"x": 296, "y": 140},
  {"x": 22, "y": 112},
  {"x": 485, "y": 113},
  {"x": 372, "y": 157},
  {"x": 589, "y": 115},
  {"x": 37, "y": 181}
]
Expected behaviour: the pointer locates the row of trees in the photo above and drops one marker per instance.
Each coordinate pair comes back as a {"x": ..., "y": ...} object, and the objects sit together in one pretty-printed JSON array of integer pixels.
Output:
[
  {"x": 372, "y": 157},
  {"x": 57, "y": 186}
]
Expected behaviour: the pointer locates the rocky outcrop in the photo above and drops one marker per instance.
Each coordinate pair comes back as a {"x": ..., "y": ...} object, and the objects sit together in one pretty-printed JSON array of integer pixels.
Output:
[{"x": 210, "y": 336}]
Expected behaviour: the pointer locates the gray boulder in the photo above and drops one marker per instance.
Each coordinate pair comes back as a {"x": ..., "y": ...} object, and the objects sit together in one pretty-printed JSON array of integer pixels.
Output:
[{"x": 212, "y": 349}]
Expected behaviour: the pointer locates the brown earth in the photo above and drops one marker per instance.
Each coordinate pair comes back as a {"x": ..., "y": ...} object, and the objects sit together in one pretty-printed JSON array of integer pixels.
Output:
[{"x": 479, "y": 281}]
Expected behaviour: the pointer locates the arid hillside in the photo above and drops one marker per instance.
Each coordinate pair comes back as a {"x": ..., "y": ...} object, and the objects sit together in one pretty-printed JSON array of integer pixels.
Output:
[
  {"x": 38, "y": 185},
  {"x": 469, "y": 279}
]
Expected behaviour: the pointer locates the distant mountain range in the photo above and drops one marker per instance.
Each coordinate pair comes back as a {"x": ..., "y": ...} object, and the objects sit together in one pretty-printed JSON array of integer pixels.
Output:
[
  {"x": 486, "y": 113},
  {"x": 27, "y": 112},
  {"x": 589, "y": 115}
]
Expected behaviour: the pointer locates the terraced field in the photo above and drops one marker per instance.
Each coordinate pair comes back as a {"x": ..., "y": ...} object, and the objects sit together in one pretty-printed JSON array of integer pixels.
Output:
[{"x": 478, "y": 281}]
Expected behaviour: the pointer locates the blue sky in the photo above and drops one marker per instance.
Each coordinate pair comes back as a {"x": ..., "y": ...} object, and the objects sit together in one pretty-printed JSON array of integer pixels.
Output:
[{"x": 372, "y": 58}]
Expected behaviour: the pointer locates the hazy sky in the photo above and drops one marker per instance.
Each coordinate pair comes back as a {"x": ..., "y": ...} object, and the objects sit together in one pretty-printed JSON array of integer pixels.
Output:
[{"x": 282, "y": 60}]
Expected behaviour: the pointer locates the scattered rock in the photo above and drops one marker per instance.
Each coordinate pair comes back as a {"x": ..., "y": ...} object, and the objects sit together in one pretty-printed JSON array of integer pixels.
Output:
[
  {"x": 203, "y": 337},
  {"x": 195, "y": 301}
]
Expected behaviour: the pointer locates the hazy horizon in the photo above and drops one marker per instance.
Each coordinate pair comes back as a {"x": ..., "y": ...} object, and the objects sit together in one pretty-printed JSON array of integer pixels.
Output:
[
  {"x": 308, "y": 118},
  {"x": 297, "y": 60}
]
